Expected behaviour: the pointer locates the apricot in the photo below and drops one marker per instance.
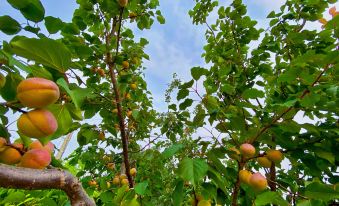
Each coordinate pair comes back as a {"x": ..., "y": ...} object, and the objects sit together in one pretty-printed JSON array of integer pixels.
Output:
[
  {"x": 127, "y": 96},
  {"x": 244, "y": 176},
  {"x": 102, "y": 136},
  {"x": 204, "y": 203},
  {"x": 92, "y": 183},
  {"x": 247, "y": 150},
  {"x": 124, "y": 181},
  {"x": 133, "y": 171},
  {"x": 36, "y": 159},
  {"x": 108, "y": 184},
  {"x": 274, "y": 155},
  {"x": 37, "y": 92},
  {"x": 264, "y": 162},
  {"x": 37, "y": 145},
  {"x": 123, "y": 3},
  {"x": 37, "y": 123},
  {"x": 111, "y": 166},
  {"x": 115, "y": 111},
  {"x": 129, "y": 113},
  {"x": 101, "y": 72},
  {"x": 3, "y": 141},
  {"x": 133, "y": 86},
  {"x": 258, "y": 182},
  {"x": 10, "y": 156},
  {"x": 116, "y": 180},
  {"x": 122, "y": 176},
  {"x": 125, "y": 64},
  {"x": 132, "y": 15}
]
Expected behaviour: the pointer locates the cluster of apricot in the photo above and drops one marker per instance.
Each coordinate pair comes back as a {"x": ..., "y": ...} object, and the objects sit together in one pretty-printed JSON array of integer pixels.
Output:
[
  {"x": 122, "y": 178},
  {"x": 257, "y": 181},
  {"x": 36, "y": 93}
]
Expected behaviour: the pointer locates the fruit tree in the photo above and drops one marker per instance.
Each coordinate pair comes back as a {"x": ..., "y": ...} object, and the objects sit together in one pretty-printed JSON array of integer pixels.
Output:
[{"x": 232, "y": 134}]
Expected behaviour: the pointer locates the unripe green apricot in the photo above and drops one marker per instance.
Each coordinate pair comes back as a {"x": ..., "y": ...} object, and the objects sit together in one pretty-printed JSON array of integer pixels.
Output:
[
  {"x": 37, "y": 123},
  {"x": 37, "y": 92}
]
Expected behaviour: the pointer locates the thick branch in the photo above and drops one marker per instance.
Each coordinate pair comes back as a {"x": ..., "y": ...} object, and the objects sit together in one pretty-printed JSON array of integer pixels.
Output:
[{"x": 33, "y": 179}]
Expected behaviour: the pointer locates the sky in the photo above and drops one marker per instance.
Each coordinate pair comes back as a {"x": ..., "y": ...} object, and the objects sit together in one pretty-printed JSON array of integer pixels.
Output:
[{"x": 174, "y": 47}]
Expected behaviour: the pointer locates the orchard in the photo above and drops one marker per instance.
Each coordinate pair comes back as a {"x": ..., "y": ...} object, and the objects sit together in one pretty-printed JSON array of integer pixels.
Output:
[{"x": 231, "y": 134}]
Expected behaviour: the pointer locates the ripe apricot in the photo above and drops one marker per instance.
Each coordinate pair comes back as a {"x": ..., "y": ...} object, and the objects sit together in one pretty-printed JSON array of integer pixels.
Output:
[
  {"x": 37, "y": 145},
  {"x": 92, "y": 183},
  {"x": 36, "y": 159},
  {"x": 133, "y": 171},
  {"x": 247, "y": 150},
  {"x": 129, "y": 113},
  {"x": 37, "y": 92},
  {"x": 116, "y": 180},
  {"x": 127, "y": 96},
  {"x": 274, "y": 155},
  {"x": 101, "y": 72},
  {"x": 37, "y": 123},
  {"x": 122, "y": 176},
  {"x": 123, "y": 3},
  {"x": 258, "y": 182},
  {"x": 244, "y": 176},
  {"x": 124, "y": 182},
  {"x": 115, "y": 111},
  {"x": 125, "y": 64},
  {"x": 10, "y": 156},
  {"x": 111, "y": 166},
  {"x": 133, "y": 86},
  {"x": 264, "y": 162},
  {"x": 3, "y": 141}
]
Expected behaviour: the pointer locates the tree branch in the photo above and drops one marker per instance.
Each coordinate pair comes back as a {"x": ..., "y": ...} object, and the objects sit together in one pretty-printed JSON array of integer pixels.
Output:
[{"x": 33, "y": 179}]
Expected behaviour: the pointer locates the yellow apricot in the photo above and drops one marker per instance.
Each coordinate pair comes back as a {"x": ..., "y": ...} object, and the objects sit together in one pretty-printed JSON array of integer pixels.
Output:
[
  {"x": 115, "y": 111},
  {"x": 274, "y": 155},
  {"x": 133, "y": 171},
  {"x": 123, "y": 3},
  {"x": 247, "y": 150},
  {"x": 92, "y": 183},
  {"x": 37, "y": 92},
  {"x": 124, "y": 181},
  {"x": 123, "y": 176},
  {"x": 111, "y": 166},
  {"x": 244, "y": 176},
  {"x": 125, "y": 64},
  {"x": 37, "y": 145},
  {"x": 264, "y": 162},
  {"x": 127, "y": 96},
  {"x": 258, "y": 182},
  {"x": 116, "y": 180},
  {"x": 37, "y": 123},
  {"x": 10, "y": 156},
  {"x": 36, "y": 159},
  {"x": 133, "y": 86}
]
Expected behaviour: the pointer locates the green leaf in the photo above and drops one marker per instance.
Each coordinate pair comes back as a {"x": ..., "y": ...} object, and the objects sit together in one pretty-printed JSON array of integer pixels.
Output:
[
  {"x": 185, "y": 104},
  {"x": 78, "y": 95},
  {"x": 48, "y": 201},
  {"x": 45, "y": 51},
  {"x": 8, "y": 92},
  {"x": 172, "y": 150},
  {"x": 321, "y": 191},
  {"x": 63, "y": 118},
  {"x": 182, "y": 93},
  {"x": 178, "y": 194},
  {"x": 141, "y": 188},
  {"x": 14, "y": 197},
  {"x": 8, "y": 25},
  {"x": 32, "y": 10},
  {"x": 192, "y": 170},
  {"x": 270, "y": 197},
  {"x": 197, "y": 72},
  {"x": 253, "y": 93},
  {"x": 53, "y": 25},
  {"x": 161, "y": 19}
]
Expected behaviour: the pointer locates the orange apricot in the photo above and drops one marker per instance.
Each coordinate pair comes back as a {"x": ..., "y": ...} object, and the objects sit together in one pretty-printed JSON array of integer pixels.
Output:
[
  {"x": 37, "y": 145},
  {"x": 37, "y": 92},
  {"x": 274, "y": 155},
  {"x": 133, "y": 171},
  {"x": 258, "y": 182},
  {"x": 244, "y": 176},
  {"x": 10, "y": 156},
  {"x": 92, "y": 183},
  {"x": 37, "y": 123},
  {"x": 264, "y": 162},
  {"x": 36, "y": 159},
  {"x": 124, "y": 181},
  {"x": 125, "y": 64},
  {"x": 247, "y": 150}
]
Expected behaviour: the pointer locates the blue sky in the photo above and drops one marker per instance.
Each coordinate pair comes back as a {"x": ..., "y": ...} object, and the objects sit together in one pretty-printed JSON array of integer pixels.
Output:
[{"x": 174, "y": 47}]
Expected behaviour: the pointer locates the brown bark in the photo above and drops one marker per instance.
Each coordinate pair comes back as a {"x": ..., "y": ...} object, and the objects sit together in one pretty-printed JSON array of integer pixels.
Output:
[{"x": 34, "y": 179}]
